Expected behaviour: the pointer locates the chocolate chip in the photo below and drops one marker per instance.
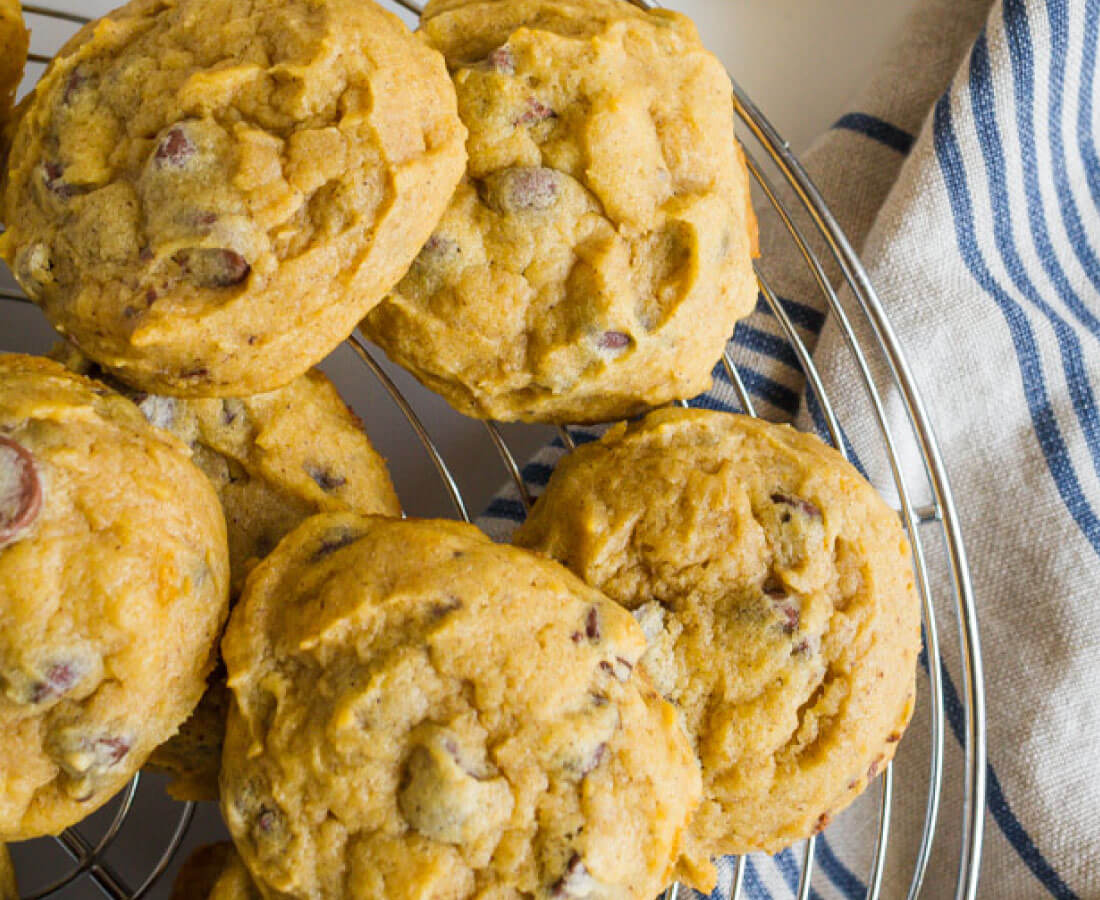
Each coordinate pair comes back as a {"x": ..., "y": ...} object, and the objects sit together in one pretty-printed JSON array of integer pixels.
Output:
[
  {"x": 77, "y": 80},
  {"x": 801, "y": 647},
  {"x": 536, "y": 112},
  {"x": 595, "y": 760},
  {"x": 174, "y": 149},
  {"x": 613, "y": 340},
  {"x": 112, "y": 750},
  {"x": 442, "y": 610},
  {"x": 267, "y": 820},
  {"x": 803, "y": 506},
  {"x": 502, "y": 60},
  {"x": 325, "y": 479},
  {"x": 789, "y": 613},
  {"x": 592, "y": 625},
  {"x": 332, "y": 542},
  {"x": 894, "y": 737},
  {"x": 872, "y": 770},
  {"x": 160, "y": 412},
  {"x": 822, "y": 822},
  {"x": 232, "y": 410},
  {"x": 438, "y": 249},
  {"x": 20, "y": 491},
  {"x": 575, "y": 881},
  {"x": 60, "y": 679},
  {"x": 521, "y": 189},
  {"x": 620, "y": 669},
  {"x": 53, "y": 177},
  {"x": 217, "y": 267}
]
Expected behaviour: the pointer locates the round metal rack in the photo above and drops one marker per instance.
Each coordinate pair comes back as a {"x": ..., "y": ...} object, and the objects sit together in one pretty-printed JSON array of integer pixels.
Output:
[{"x": 809, "y": 224}]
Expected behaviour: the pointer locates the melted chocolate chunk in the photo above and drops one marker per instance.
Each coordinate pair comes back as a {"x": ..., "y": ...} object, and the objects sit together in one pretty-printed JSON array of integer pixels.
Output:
[
  {"x": 592, "y": 625},
  {"x": 60, "y": 679},
  {"x": 337, "y": 540},
  {"x": 613, "y": 340},
  {"x": 325, "y": 479},
  {"x": 575, "y": 881},
  {"x": 536, "y": 112},
  {"x": 502, "y": 60},
  {"x": 175, "y": 149},
  {"x": 214, "y": 268},
  {"x": 798, "y": 503},
  {"x": 20, "y": 491},
  {"x": 521, "y": 189}
]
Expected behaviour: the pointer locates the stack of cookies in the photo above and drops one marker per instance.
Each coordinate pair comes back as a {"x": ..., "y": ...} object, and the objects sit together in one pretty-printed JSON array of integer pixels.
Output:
[{"x": 702, "y": 642}]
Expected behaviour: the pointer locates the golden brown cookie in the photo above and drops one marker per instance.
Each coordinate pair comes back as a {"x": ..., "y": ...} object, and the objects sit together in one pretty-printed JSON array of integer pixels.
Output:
[
  {"x": 275, "y": 459},
  {"x": 420, "y": 712},
  {"x": 776, "y": 591},
  {"x": 14, "y": 42},
  {"x": 214, "y": 872},
  {"x": 8, "y": 888},
  {"x": 114, "y": 583},
  {"x": 207, "y": 195},
  {"x": 593, "y": 263}
]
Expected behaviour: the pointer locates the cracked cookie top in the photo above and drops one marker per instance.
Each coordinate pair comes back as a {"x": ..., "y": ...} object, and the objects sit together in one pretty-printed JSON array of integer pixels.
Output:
[
  {"x": 421, "y": 712},
  {"x": 114, "y": 583},
  {"x": 776, "y": 592},
  {"x": 207, "y": 195},
  {"x": 594, "y": 261}
]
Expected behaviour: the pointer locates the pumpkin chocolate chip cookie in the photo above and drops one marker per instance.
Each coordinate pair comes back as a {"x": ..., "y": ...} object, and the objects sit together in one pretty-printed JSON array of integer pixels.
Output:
[
  {"x": 593, "y": 263},
  {"x": 421, "y": 712},
  {"x": 206, "y": 196},
  {"x": 114, "y": 584},
  {"x": 214, "y": 872},
  {"x": 14, "y": 41},
  {"x": 776, "y": 591},
  {"x": 275, "y": 459}
]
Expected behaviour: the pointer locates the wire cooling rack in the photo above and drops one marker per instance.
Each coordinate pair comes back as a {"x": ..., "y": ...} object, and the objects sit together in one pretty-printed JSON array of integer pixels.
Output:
[{"x": 926, "y": 527}]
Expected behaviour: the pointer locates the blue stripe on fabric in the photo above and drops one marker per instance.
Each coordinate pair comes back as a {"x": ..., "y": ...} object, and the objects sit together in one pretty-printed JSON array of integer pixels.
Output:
[
  {"x": 839, "y": 874},
  {"x": 753, "y": 883},
  {"x": 766, "y": 344},
  {"x": 583, "y": 437},
  {"x": 778, "y": 395},
  {"x": 801, "y": 314},
  {"x": 1058, "y": 15},
  {"x": 537, "y": 473},
  {"x": 1043, "y": 420},
  {"x": 1022, "y": 58},
  {"x": 989, "y": 137},
  {"x": 706, "y": 401},
  {"x": 790, "y": 869},
  {"x": 1002, "y": 813},
  {"x": 512, "y": 510},
  {"x": 1085, "y": 102},
  {"x": 1054, "y": 450},
  {"x": 877, "y": 130}
]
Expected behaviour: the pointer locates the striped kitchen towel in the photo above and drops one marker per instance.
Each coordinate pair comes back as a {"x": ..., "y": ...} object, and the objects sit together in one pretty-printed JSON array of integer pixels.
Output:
[{"x": 968, "y": 174}]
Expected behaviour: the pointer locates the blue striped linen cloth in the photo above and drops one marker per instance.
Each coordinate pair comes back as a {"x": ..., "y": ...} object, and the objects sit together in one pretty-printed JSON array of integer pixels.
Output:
[{"x": 968, "y": 173}]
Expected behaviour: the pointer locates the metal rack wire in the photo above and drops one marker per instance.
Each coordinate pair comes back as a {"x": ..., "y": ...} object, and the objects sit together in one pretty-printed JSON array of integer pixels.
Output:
[{"x": 939, "y": 521}]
